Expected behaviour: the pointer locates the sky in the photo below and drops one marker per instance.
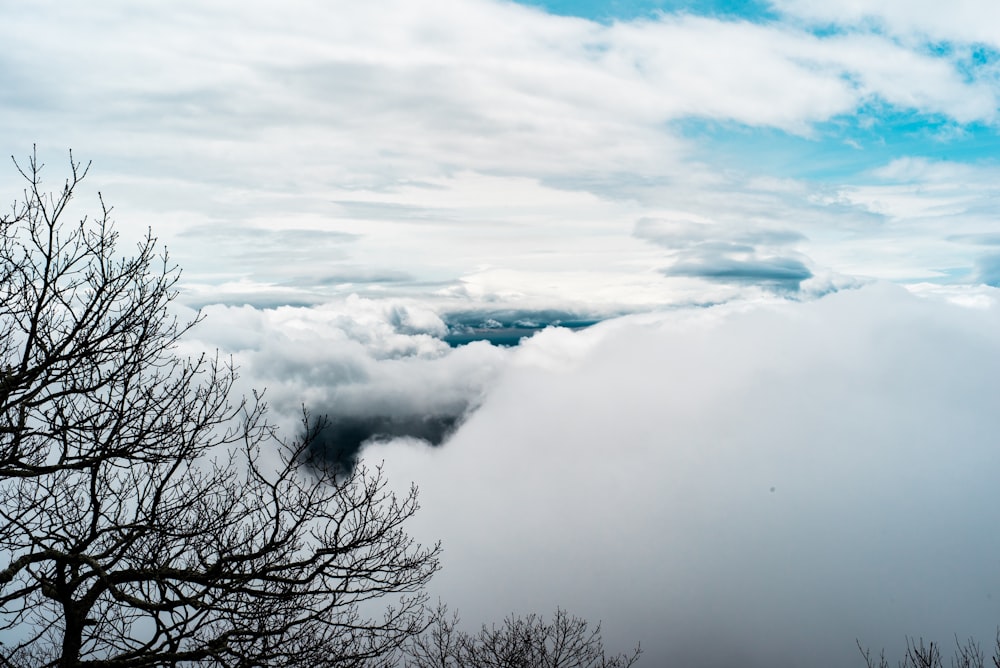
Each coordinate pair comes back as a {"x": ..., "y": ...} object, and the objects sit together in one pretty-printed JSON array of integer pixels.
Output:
[{"x": 782, "y": 214}]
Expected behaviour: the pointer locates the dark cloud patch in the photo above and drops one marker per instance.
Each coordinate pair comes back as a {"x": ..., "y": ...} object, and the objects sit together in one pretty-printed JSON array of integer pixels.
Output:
[
  {"x": 339, "y": 440},
  {"x": 508, "y": 327},
  {"x": 377, "y": 368},
  {"x": 713, "y": 252},
  {"x": 781, "y": 273}
]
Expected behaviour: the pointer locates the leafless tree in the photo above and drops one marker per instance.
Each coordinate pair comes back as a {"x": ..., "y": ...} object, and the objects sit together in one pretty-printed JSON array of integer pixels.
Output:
[
  {"x": 519, "y": 642},
  {"x": 918, "y": 655},
  {"x": 148, "y": 519}
]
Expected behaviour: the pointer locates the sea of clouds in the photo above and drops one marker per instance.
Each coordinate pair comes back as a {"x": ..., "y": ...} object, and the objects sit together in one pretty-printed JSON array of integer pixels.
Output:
[
  {"x": 748, "y": 484},
  {"x": 743, "y": 471}
]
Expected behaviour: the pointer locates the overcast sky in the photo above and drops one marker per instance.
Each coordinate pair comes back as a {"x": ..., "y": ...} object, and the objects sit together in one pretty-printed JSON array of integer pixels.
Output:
[{"x": 785, "y": 211}]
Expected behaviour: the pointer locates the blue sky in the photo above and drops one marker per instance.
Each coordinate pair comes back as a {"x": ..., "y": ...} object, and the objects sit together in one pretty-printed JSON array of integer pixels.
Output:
[
  {"x": 624, "y": 10},
  {"x": 845, "y": 146},
  {"x": 784, "y": 214}
]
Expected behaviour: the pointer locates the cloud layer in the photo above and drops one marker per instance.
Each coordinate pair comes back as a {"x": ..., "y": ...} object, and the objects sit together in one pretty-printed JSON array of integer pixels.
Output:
[
  {"x": 757, "y": 483},
  {"x": 483, "y": 150},
  {"x": 758, "y": 486},
  {"x": 374, "y": 369}
]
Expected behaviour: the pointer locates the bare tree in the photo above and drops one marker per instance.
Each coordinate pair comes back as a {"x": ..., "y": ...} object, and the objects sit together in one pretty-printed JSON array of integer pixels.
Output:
[
  {"x": 441, "y": 645},
  {"x": 519, "y": 642},
  {"x": 146, "y": 519},
  {"x": 918, "y": 655}
]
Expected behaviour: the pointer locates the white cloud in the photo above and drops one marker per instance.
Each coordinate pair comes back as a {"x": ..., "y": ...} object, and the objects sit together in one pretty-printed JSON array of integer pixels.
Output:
[
  {"x": 494, "y": 139},
  {"x": 960, "y": 20},
  {"x": 455, "y": 154},
  {"x": 350, "y": 358},
  {"x": 764, "y": 484},
  {"x": 934, "y": 214}
]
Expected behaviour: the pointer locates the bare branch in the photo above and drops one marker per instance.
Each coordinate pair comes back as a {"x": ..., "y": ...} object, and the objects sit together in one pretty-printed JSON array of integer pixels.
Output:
[
  {"x": 138, "y": 524},
  {"x": 519, "y": 642}
]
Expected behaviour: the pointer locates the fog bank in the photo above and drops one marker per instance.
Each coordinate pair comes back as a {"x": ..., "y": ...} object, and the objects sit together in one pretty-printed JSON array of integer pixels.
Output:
[{"x": 756, "y": 486}]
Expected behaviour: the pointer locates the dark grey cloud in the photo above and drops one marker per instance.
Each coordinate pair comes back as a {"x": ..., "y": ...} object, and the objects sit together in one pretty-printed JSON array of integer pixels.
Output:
[
  {"x": 368, "y": 370},
  {"x": 338, "y": 440},
  {"x": 781, "y": 273},
  {"x": 753, "y": 256}
]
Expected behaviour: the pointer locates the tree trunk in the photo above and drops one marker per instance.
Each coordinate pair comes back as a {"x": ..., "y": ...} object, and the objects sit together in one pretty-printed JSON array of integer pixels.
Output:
[{"x": 72, "y": 638}]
